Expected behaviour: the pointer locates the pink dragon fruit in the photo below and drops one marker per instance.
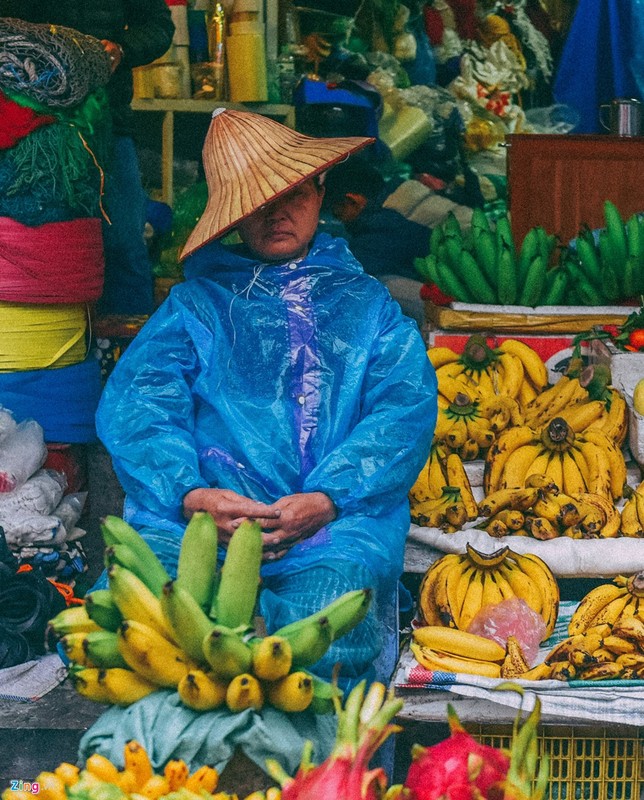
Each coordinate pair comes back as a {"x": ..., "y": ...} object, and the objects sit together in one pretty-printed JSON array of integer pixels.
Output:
[
  {"x": 460, "y": 768},
  {"x": 363, "y": 726}
]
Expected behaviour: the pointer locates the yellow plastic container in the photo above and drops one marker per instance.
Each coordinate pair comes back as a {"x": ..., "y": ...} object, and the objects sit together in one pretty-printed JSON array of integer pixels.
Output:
[{"x": 585, "y": 763}]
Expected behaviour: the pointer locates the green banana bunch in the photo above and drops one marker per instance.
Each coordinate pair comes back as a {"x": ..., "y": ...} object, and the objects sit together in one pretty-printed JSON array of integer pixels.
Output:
[
  {"x": 612, "y": 268},
  {"x": 486, "y": 266}
]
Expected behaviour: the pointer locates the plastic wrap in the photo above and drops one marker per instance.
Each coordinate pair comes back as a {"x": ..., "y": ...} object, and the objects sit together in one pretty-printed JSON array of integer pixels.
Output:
[{"x": 21, "y": 454}]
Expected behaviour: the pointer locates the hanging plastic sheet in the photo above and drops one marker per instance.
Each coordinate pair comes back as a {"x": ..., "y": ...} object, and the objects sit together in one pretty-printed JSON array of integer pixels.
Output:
[{"x": 63, "y": 401}]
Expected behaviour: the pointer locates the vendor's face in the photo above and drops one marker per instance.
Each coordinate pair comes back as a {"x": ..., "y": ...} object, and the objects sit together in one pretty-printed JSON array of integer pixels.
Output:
[{"x": 284, "y": 228}]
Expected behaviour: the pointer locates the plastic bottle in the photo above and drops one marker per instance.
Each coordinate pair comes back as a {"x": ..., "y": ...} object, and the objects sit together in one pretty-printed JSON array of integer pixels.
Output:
[
  {"x": 216, "y": 26},
  {"x": 286, "y": 75},
  {"x": 246, "y": 54}
]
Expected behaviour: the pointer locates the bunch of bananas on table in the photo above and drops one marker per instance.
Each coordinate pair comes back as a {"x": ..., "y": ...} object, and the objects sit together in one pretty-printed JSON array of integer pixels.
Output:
[
  {"x": 452, "y": 650},
  {"x": 593, "y": 406},
  {"x": 589, "y": 461},
  {"x": 540, "y": 510},
  {"x": 486, "y": 266},
  {"x": 605, "y": 635},
  {"x": 457, "y": 586},
  {"x": 195, "y": 634},
  {"x": 485, "y": 374},
  {"x": 632, "y": 514},
  {"x": 101, "y": 778},
  {"x": 442, "y": 496},
  {"x": 610, "y": 268}
]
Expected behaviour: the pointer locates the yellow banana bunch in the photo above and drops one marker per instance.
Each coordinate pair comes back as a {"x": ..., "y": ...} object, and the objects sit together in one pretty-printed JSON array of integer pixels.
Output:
[
  {"x": 512, "y": 370},
  {"x": 540, "y": 510},
  {"x": 136, "y": 778},
  {"x": 447, "y": 512},
  {"x": 573, "y": 462},
  {"x": 601, "y": 652},
  {"x": 632, "y": 516},
  {"x": 461, "y": 428},
  {"x": 457, "y": 586},
  {"x": 610, "y": 603},
  {"x": 566, "y": 392},
  {"x": 432, "y": 479},
  {"x": 169, "y": 633}
]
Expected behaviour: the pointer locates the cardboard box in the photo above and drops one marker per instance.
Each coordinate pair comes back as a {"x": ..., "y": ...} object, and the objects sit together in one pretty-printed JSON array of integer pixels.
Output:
[
  {"x": 523, "y": 319},
  {"x": 555, "y": 350}
]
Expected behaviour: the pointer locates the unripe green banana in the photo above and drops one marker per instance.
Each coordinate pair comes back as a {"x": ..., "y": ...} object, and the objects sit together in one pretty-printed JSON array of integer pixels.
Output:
[
  {"x": 616, "y": 232},
  {"x": 239, "y": 580},
  {"x": 326, "y": 696},
  {"x": 150, "y": 570},
  {"x": 347, "y": 611},
  {"x": 188, "y": 622},
  {"x": 226, "y": 652},
  {"x": 309, "y": 638},
  {"x": 102, "y": 649},
  {"x": 197, "y": 566},
  {"x": 135, "y": 601},
  {"x": 292, "y": 693},
  {"x": 152, "y": 656},
  {"x": 200, "y": 691},
  {"x": 102, "y": 609}
]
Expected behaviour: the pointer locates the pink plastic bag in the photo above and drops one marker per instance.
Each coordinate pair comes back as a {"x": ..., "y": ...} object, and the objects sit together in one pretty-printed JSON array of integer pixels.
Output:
[{"x": 512, "y": 617}]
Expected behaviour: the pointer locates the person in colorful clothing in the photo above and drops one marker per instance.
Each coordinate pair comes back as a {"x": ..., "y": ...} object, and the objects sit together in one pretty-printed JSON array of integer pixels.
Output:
[
  {"x": 278, "y": 382},
  {"x": 133, "y": 33}
]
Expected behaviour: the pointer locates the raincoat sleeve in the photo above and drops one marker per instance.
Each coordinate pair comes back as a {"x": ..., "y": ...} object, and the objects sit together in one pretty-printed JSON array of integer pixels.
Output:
[
  {"x": 146, "y": 414},
  {"x": 376, "y": 465}
]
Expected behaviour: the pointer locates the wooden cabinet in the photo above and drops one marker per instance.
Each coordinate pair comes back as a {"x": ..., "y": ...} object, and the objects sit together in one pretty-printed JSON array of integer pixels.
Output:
[{"x": 561, "y": 181}]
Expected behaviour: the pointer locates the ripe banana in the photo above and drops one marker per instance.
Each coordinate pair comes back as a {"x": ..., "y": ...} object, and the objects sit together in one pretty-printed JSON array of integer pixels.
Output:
[
  {"x": 291, "y": 693},
  {"x": 516, "y": 498},
  {"x": 514, "y": 664},
  {"x": 227, "y": 653},
  {"x": 176, "y": 773},
  {"x": 519, "y": 465},
  {"x": 200, "y": 691},
  {"x": 244, "y": 692},
  {"x": 147, "y": 652},
  {"x": 137, "y": 761},
  {"x": 197, "y": 565},
  {"x": 442, "y": 662},
  {"x": 203, "y": 781},
  {"x": 124, "y": 686},
  {"x": 542, "y": 577},
  {"x": 239, "y": 580},
  {"x": 135, "y": 600},
  {"x": 456, "y": 476},
  {"x": 472, "y": 600},
  {"x": 458, "y": 643},
  {"x": 615, "y": 457},
  {"x": 272, "y": 657},
  {"x": 533, "y": 365},
  {"x": 497, "y": 456},
  {"x": 426, "y": 600},
  {"x": 149, "y": 569},
  {"x": 592, "y": 604}
]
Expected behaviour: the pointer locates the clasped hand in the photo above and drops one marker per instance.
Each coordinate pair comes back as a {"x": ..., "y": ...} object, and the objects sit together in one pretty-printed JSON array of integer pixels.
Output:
[{"x": 284, "y": 523}]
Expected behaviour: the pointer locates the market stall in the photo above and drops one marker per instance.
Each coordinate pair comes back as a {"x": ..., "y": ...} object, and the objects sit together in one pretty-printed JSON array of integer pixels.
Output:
[{"x": 157, "y": 684}]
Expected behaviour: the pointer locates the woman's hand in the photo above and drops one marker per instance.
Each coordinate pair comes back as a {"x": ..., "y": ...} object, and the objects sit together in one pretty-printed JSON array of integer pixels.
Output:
[
  {"x": 228, "y": 509},
  {"x": 301, "y": 516}
]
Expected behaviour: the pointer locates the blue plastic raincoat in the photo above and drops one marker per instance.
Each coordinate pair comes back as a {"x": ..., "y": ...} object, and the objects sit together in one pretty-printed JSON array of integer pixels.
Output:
[{"x": 275, "y": 379}]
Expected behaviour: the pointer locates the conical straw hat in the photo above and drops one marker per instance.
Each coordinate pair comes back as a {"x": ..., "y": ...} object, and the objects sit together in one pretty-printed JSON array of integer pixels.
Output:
[{"x": 250, "y": 160}]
